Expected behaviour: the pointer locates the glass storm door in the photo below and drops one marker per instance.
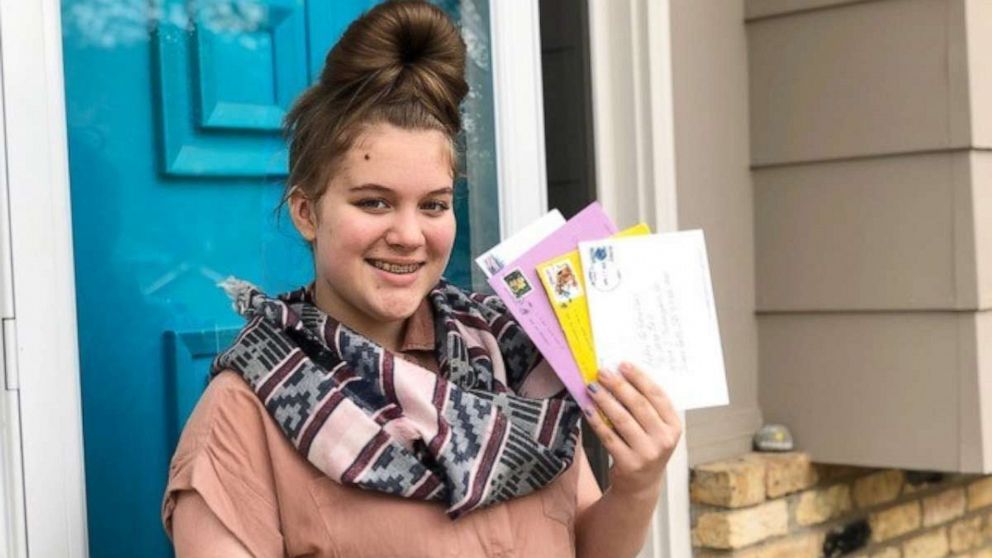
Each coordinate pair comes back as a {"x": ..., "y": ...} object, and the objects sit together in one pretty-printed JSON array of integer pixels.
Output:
[{"x": 176, "y": 167}]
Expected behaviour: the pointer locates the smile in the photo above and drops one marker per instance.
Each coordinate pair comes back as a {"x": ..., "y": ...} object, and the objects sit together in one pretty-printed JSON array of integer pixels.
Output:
[{"x": 401, "y": 269}]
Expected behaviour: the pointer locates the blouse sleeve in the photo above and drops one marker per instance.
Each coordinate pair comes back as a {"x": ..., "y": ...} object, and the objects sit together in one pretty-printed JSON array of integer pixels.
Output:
[{"x": 223, "y": 457}]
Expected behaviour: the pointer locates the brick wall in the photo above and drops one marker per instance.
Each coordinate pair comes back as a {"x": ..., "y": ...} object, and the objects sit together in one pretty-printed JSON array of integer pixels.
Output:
[{"x": 768, "y": 505}]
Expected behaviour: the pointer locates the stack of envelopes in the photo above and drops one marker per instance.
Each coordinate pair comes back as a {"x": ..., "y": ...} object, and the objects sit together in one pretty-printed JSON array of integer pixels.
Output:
[{"x": 590, "y": 297}]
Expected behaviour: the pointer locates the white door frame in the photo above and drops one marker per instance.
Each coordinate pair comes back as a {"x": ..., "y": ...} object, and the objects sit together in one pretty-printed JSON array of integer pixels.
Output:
[
  {"x": 518, "y": 98},
  {"x": 36, "y": 275},
  {"x": 630, "y": 51},
  {"x": 630, "y": 48}
]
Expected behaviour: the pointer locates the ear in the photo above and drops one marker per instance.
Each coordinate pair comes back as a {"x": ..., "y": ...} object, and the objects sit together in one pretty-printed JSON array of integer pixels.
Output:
[{"x": 303, "y": 211}]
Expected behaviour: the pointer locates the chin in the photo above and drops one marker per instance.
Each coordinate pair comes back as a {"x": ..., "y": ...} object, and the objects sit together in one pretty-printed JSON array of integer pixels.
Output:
[{"x": 397, "y": 307}]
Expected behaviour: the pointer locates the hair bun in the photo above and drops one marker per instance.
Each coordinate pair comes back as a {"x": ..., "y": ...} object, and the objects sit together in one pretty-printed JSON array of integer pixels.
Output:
[
  {"x": 402, "y": 63},
  {"x": 398, "y": 52}
]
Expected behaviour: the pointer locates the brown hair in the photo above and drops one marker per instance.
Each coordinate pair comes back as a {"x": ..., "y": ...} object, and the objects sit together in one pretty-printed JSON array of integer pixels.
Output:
[{"x": 403, "y": 63}]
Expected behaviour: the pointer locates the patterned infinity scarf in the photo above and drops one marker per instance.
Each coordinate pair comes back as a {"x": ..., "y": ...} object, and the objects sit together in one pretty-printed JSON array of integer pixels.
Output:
[{"x": 493, "y": 425}]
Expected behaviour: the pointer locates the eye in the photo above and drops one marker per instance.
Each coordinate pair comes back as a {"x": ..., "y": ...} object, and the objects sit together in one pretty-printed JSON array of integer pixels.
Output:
[
  {"x": 435, "y": 206},
  {"x": 374, "y": 204}
]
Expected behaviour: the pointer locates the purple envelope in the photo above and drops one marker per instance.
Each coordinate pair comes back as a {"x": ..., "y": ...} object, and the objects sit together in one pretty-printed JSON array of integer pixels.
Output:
[{"x": 520, "y": 288}]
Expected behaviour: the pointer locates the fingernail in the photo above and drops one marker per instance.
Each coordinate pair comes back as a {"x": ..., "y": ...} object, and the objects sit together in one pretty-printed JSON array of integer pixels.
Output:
[
  {"x": 587, "y": 413},
  {"x": 624, "y": 367},
  {"x": 608, "y": 374},
  {"x": 594, "y": 387}
]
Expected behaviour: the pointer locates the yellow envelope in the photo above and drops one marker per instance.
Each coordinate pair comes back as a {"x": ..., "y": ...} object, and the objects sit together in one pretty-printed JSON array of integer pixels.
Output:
[{"x": 562, "y": 280}]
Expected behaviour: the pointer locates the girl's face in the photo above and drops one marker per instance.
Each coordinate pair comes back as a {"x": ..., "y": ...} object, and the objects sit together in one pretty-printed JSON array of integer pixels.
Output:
[{"x": 383, "y": 230}]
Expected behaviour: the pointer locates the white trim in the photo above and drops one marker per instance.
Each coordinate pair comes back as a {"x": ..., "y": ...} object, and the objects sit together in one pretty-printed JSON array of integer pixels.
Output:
[
  {"x": 13, "y": 533},
  {"x": 662, "y": 116},
  {"x": 518, "y": 99},
  {"x": 43, "y": 279},
  {"x": 630, "y": 47}
]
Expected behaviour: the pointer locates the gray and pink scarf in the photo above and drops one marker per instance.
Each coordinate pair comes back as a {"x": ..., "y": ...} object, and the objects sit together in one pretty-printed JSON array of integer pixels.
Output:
[{"x": 494, "y": 424}]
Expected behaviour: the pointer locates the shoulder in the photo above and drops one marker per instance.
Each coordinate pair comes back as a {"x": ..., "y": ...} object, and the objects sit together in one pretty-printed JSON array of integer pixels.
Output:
[
  {"x": 229, "y": 385},
  {"x": 228, "y": 394},
  {"x": 227, "y": 411},
  {"x": 224, "y": 456},
  {"x": 231, "y": 434}
]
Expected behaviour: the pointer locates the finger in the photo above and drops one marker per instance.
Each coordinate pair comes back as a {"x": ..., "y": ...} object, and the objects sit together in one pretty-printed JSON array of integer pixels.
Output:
[
  {"x": 610, "y": 439},
  {"x": 623, "y": 422},
  {"x": 631, "y": 398},
  {"x": 653, "y": 392}
]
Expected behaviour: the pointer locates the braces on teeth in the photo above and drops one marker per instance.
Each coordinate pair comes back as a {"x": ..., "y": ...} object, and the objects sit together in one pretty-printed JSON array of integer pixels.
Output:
[{"x": 393, "y": 268}]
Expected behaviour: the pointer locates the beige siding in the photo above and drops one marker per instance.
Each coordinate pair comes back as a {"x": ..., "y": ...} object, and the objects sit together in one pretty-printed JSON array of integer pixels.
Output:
[
  {"x": 867, "y": 389},
  {"x": 709, "y": 73},
  {"x": 981, "y": 221},
  {"x": 770, "y": 8},
  {"x": 873, "y": 227},
  {"x": 858, "y": 80},
  {"x": 977, "y": 438},
  {"x": 869, "y": 234},
  {"x": 979, "y": 41}
]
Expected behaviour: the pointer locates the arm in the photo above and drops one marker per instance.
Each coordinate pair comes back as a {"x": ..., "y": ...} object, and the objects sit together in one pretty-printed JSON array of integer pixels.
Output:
[
  {"x": 645, "y": 431},
  {"x": 197, "y": 532}
]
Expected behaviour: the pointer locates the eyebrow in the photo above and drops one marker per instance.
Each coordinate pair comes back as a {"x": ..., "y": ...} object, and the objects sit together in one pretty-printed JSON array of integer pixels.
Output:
[{"x": 384, "y": 190}]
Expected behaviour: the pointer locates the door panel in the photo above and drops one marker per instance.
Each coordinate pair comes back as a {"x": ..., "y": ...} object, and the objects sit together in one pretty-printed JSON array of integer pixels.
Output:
[
  {"x": 207, "y": 115},
  {"x": 177, "y": 165}
]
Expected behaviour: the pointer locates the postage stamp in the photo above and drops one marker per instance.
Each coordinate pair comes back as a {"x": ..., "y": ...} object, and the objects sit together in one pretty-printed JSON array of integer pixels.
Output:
[
  {"x": 604, "y": 274},
  {"x": 518, "y": 284},
  {"x": 564, "y": 282}
]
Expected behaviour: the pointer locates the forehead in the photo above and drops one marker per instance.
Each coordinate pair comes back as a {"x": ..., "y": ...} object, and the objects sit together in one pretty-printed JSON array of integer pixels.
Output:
[{"x": 398, "y": 159}]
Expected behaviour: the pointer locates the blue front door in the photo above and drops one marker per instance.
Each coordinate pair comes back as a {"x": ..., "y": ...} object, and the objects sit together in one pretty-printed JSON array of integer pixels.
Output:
[{"x": 176, "y": 164}]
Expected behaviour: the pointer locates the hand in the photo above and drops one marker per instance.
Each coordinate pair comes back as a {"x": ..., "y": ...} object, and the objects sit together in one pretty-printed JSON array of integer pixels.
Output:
[{"x": 645, "y": 429}]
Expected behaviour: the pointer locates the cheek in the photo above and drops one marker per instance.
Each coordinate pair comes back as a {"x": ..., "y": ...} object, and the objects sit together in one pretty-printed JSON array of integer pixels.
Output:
[
  {"x": 348, "y": 236},
  {"x": 339, "y": 253},
  {"x": 441, "y": 236}
]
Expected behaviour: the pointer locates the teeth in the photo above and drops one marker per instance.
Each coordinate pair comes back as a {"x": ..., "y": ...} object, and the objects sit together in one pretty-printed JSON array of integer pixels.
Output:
[{"x": 395, "y": 268}]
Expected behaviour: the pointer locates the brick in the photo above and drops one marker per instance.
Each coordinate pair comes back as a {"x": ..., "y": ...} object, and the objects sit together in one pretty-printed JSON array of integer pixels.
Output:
[
  {"x": 732, "y": 483},
  {"x": 917, "y": 481},
  {"x": 928, "y": 545},
  {"x": 817, "y": 506},
  {"x": 980, "y": 493},
  {"x": 808, "y": 545},
  {"x": 888, "y": 552},
  {"x": 943, "y": 506},
  {"x": 966, "y": 534},
  {"x": 892, "y": 522},
  {"x": 987, "y": 528},
  {"x": 828, "y": 472},
  {"x": 743, "y": 527},
  {"x": 788, "y": 472},
  {"x": 877, "y": 488}
]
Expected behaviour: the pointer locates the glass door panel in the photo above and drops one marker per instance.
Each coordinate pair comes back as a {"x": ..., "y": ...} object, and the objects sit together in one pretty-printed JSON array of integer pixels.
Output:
[{"x": 176, "y": 168}]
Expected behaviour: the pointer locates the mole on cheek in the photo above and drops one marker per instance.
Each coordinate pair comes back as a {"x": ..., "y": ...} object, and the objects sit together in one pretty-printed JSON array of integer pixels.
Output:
[{"x": 368, "y": 157}]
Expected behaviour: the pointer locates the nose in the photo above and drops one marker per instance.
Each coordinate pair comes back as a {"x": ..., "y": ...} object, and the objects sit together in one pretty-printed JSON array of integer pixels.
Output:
[{"x": 405, "y": 231}]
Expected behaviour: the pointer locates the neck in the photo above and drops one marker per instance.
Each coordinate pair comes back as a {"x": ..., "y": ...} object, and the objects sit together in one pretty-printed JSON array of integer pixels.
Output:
[{"x": 388, "y": 334}]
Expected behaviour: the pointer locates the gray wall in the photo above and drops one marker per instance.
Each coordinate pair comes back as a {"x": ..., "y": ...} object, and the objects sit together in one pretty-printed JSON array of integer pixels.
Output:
[{"x": 870, "y": 128}]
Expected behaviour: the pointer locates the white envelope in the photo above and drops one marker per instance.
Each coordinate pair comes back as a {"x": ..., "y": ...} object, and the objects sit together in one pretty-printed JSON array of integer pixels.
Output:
[
  {"x": 651, "y": 303},
  {"x": 512, "y": 248}
]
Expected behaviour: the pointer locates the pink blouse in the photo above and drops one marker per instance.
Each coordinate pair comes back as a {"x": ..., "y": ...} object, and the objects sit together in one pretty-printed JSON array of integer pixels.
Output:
[{"x": 233, "y": 454}]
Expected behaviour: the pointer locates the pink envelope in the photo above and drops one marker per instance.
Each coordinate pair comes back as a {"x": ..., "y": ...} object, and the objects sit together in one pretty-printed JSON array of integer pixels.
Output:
[{"x": 520, "y": 288}]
